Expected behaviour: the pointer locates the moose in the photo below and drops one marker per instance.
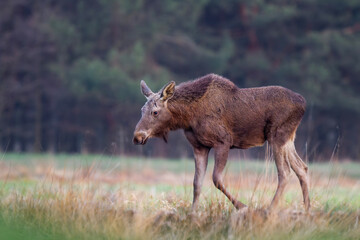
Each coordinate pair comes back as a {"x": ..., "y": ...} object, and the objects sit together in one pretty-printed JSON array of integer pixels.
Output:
[{"x": 215, "y": 113}]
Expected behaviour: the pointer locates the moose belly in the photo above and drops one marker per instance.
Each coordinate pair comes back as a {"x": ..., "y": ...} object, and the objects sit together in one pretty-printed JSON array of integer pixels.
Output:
[{"x": 250, "y": 137}]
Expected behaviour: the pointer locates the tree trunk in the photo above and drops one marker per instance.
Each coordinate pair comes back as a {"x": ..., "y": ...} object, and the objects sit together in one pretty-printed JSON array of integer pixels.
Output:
[{"x": 38, "y": 122}]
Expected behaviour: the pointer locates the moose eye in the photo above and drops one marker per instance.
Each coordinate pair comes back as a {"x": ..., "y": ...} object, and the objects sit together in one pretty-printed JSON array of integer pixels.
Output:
[{"x": 155, "y": 113}]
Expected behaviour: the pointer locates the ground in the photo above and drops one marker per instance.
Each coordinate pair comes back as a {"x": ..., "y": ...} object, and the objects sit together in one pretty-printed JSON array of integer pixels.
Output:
[{"x": 104, "y": 197}]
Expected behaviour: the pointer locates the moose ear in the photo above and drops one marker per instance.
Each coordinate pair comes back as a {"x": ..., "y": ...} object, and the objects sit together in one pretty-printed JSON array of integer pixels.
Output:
[
  {"x": 168, "y": 91},
  {"x": 145, "y": 89}
]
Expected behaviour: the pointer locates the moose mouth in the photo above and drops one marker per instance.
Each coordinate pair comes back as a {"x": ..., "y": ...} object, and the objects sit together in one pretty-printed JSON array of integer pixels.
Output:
[{"x": 144, "y": 140}]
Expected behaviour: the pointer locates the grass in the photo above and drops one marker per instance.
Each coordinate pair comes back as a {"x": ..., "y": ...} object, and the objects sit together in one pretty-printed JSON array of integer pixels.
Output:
[
  {"x": 101, "y": 197},
  {"x": 347, "y": 169}
]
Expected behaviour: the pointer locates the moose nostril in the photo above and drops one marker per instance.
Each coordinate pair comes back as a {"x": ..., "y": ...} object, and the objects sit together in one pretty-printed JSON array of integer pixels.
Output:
[{"x": 137, "y": 140}]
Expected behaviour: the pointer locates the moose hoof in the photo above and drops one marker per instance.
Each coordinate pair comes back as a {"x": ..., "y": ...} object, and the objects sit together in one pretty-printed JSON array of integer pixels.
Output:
[
  {"x": 239, "y": 205},
  {"x": 243, "y": 210}
]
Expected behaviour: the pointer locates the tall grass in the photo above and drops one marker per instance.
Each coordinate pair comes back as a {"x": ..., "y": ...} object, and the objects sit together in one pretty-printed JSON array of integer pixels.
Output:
[{"x": 95, "y": 197}]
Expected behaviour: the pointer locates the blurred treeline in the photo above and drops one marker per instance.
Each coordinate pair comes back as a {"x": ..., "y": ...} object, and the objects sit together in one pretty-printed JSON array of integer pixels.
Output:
[{"x": 70, "y": 69}]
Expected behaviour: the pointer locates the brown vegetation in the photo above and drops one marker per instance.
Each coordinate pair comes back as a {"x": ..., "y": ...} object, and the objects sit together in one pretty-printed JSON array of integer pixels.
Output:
[{"x": 90, "y": 202}]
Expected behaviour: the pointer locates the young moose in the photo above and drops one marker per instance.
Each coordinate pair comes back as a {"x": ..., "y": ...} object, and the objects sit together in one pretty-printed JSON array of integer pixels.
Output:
[{"x": 215, "y": 113}]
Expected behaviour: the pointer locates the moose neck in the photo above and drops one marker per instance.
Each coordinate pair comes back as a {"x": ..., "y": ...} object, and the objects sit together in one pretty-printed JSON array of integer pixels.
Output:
[
  {"x": 181, "y": 114},
  {"x": 185, "y": 104}
]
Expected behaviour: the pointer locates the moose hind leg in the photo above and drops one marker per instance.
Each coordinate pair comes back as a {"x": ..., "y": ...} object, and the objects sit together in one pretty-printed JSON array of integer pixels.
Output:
[
  {"x": 283, "y": 170},
  {"x": 201, "y": 160},
  {"x": 221, "y": 155},
  {"x": 300, "y": 170}
]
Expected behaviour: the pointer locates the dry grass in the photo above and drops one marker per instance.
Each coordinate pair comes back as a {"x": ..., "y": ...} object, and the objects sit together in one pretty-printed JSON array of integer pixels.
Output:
[{"x": 43, "y": 200}]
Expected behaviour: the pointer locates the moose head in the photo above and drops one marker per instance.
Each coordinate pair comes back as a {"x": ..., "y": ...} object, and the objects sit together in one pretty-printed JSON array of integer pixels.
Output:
[{"x": 155, "y": 116}]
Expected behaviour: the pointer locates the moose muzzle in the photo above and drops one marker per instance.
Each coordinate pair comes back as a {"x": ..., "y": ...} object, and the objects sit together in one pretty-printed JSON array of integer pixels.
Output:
[{"x": 140, "y": 138}]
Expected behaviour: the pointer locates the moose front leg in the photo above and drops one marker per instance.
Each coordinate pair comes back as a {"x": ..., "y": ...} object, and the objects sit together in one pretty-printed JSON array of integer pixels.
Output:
[
  {"x": 221, "y": 155},
  {"x": 201, "y": 160}
]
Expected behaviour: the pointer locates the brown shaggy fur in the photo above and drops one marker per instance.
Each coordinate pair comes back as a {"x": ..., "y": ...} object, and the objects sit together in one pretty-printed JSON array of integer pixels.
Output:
[{"x": 215, "y": 113}]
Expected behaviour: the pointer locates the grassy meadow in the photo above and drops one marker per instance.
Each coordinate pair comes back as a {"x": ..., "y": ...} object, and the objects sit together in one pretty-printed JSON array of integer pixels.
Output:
[{"x": 103, "y": 197}]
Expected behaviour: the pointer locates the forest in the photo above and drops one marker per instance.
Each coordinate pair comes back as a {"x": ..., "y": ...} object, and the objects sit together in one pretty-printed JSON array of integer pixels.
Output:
[{"x": 70, "y": 70}]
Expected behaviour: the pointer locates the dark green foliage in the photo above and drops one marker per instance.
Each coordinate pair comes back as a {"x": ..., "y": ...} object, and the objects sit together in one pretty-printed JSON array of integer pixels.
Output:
[{"x": 70, "y": 70}]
